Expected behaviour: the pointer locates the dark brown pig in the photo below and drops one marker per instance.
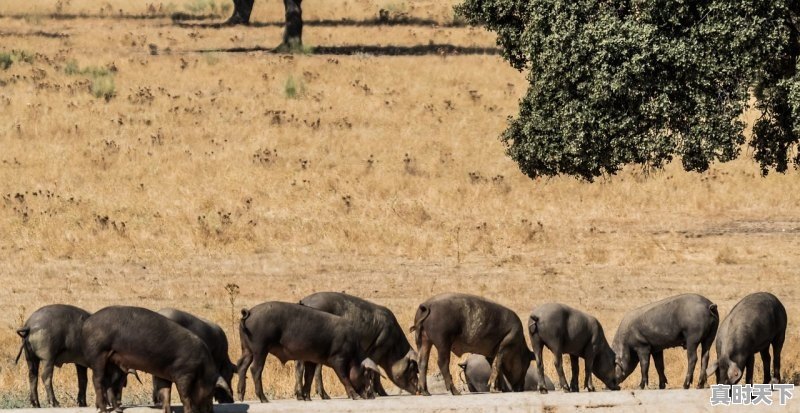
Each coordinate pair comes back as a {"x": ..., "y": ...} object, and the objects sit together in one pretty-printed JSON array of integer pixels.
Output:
[
  {"x": 753, "y": 325},
  {"x": 463, "y": 323},
  {"x": 382, "y": 339},
  {"x": 216, "y": 341},
  {"x": 686, "y": 320},
  {"x": 51, "y": 337},
  {"x": 565, "y": 330},
  {"x": 120, "y": 338},
  {"x": 295, "y": 332}
]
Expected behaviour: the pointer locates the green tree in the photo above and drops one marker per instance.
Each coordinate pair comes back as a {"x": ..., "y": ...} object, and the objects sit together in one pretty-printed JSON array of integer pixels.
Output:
[{"x": 616, "y": 82}]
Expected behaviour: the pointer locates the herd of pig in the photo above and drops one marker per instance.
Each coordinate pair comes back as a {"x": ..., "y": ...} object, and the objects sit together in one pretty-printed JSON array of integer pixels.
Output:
[{"x": 358, "y": 339}]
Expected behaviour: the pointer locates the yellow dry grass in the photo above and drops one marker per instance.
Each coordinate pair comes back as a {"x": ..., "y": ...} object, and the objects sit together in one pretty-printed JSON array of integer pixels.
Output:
[{"x": 381, "y": 176}]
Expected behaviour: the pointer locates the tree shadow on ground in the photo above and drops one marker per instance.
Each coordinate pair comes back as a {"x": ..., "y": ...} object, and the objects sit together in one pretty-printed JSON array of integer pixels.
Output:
[
  {"x": 191, "y": 22},
  {"x": 374, "y": 50}
]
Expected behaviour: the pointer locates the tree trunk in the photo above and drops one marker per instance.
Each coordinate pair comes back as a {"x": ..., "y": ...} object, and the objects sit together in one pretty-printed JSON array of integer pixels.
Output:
[
  {"x": 241, "y": 12},
  {"x": 293, "y": 32}
]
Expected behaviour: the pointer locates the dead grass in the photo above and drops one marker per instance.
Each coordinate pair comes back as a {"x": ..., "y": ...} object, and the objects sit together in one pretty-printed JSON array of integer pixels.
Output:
[{"x": 384, "y": 179}]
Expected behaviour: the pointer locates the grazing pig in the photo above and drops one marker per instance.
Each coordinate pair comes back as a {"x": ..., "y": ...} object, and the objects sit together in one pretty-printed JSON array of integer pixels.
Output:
[
  {"x": 51, "y": 336},
  {"x": 476, "y": 369},
  {"x": 463, "y": 323},
  {"x": 382, "y": 339},
  {"x": 755, "y": 323},
  {"x": 295, "y": 332},
  {"x": 686, "y": 320},
  {"x": 217, "y": 343},
  {"x": 121, "y": 338},
  {"x": 565, "y": 330}
]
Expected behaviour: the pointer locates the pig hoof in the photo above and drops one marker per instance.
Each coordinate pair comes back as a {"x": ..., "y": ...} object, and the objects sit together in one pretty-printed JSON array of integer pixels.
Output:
[
  {"x": 325, "y": 396},
  {"x": 543, "y": 390},
  {"x": 455, "y": 392},
  {"x": 425, "y": 393}
]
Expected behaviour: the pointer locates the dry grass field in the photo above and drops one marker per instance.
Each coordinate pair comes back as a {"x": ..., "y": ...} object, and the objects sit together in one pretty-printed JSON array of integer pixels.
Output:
[{"x": 152, "y": 162}]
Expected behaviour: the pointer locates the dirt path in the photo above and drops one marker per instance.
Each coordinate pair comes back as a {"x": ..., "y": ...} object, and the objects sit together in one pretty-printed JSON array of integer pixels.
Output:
[{"x": 650, "y": 401}]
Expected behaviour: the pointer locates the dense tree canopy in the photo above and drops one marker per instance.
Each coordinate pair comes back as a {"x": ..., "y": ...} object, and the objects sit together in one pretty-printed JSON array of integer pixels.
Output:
[{"x": 616, "y": 82}]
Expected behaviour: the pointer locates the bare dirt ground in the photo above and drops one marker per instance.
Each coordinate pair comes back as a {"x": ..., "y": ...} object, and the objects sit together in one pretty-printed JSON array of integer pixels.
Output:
[
  {"x": 645, "y": 401},
  {"x": 151, "y": 161}
]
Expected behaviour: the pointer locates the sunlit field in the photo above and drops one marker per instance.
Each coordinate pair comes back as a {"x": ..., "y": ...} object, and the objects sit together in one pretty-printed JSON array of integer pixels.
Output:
[{"x": 152, "y": 161}]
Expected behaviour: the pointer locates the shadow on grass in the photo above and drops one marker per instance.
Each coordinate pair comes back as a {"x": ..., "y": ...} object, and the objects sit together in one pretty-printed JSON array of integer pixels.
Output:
[
  {"x": 37, "y": 33},
  {"x": 401, "y": 21},
  {"x": 349, "y": 50},
  {"x": 201, "y": 21},
  {"x": 218, "y": 408}
]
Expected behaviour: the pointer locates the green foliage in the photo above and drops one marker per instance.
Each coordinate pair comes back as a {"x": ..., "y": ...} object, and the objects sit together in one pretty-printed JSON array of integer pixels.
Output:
[
  {"x": 103, "y": 87},
  {"x": 293, "y": 89},
  {"x": 6, "y": 60},
  {"x": 72, "y": 68},
  {"x": 102, "y": 79},
  {"x": 642, "y": 82},
  {"x": 9, "y": 58},
  {"x": 201, "y": 6}
]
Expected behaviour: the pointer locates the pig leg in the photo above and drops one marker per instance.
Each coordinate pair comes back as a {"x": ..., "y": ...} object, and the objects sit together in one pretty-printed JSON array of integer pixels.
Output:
[
  {"x": 255, "y": 370},
  {"x": 98, "y": 378},
  {"x": 309, "y": 371},
  {"x": 691, "y": 354},
  {"x": 299, "y": 375},
  {"x": 494, "y": 384},
  {"x": 765, "y": 360},
  {"x": 47, "y": 379},
  {"x": 559, "y": 363},
  {"x": 320, "y": 385},
  {"x": 748, "y": 372},
  {"x": 444, "y": 368},
  {"x": 82, "y": 380},
  {"x": 588, "y": 363},
  {"x": 33, "y": 379},
  {"x": 574, "y": 364},
  {"x": 112, "y": 399},
  {"x": 424, "y": 354},
  {"x": 342, "y": 372},
  {"x": 644, "y": 364},
  {"x": 658, "y": 360},
  {"x": 704, "y": 355},
  {"x": 163, "y": 390},
  {"x": 537, "y": 351},
  {"x": 378, "y": 387},
  {"x": 241, "y": 370},
  {"x": 777, "y": 346},
  {"x": 186, "y": 396}
]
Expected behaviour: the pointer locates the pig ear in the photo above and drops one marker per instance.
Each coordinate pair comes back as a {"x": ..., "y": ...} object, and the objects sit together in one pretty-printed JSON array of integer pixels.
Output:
[
  {"x": 734, "y": 373},
  {"x": 220, "y": 384},
  {"x": 712, "y": 369},
  {"x": 370, "y": 365},
  {"x": 413, "y": 366}
]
